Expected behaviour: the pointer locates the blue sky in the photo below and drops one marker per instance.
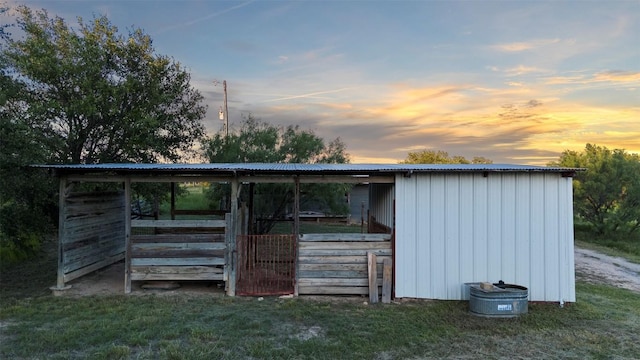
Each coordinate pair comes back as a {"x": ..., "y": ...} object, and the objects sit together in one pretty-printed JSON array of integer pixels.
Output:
[{"x": 516, "y": 82}]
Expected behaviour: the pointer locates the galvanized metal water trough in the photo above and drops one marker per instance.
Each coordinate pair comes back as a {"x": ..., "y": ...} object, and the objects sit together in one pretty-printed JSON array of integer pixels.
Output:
[{"x": 498, "y": 299}]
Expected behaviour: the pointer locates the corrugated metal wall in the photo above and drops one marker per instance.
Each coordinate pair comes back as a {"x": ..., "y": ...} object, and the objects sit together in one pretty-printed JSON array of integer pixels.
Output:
[
  {"x": 381, "y": 198},
  {"x": 458, "y": 228}
]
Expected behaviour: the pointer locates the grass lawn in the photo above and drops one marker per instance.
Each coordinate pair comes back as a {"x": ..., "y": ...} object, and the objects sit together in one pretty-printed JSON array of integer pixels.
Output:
[{"x": 603, "y": 323}]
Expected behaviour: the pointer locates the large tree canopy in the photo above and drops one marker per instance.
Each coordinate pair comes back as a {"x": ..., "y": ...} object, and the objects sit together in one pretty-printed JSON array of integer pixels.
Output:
[
  {"x": 81, "y": 96},
  {"x": 607, "y": 194},
  {"x": 260, "y": 142},
  {"x": 441, "y": 157},
  {"x": 98, "y": 96}
]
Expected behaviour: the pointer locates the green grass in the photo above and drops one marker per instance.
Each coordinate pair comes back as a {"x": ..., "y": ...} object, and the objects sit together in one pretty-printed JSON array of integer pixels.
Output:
[{"x": 603, "y": 323}]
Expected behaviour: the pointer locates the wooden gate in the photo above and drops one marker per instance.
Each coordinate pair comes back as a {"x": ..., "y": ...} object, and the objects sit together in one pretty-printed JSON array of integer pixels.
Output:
[{"x": 266, "y": 264}]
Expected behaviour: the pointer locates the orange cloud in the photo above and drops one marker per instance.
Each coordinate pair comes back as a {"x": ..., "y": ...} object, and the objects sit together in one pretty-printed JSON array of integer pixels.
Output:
[
  {"x": 524, "y": 45},
  {"x": 617, "y": 76}
]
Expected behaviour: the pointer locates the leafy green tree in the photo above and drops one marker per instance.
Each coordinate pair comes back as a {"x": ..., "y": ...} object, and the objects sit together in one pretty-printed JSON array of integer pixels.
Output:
[
  {"x": 24, "y": 195},
  {"x": 83, "y": 95},
  {"x": 98, "y": 96},
  {"x": 259, "y": 142},
  {"x": 607, "y": 194},
  {"x": 441, "y": 157}
]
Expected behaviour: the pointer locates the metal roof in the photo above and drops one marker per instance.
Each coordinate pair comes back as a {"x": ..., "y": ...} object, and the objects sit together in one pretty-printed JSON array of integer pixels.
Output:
[{"x": 293, "y": 169}]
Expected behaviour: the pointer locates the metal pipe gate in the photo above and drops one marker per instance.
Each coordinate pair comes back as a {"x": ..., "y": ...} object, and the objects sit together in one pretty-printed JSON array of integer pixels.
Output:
[{"x": 266, "y": 264}]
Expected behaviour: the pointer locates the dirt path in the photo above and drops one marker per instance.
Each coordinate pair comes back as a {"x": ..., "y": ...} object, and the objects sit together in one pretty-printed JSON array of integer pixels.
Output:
[{"x": 594, "y": 267}]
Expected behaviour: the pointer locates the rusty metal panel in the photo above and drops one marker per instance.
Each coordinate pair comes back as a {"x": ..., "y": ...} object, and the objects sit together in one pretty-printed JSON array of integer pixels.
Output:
[{"x": 266, "y": 264}]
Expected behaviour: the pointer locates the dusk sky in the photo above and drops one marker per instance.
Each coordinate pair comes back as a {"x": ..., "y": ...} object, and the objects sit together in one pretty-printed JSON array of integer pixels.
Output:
[{"x": 515, "y": 82}]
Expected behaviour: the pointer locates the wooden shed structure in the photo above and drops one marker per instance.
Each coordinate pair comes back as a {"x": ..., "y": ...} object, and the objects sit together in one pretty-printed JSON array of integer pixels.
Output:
[{"x": 442, "y": 225}]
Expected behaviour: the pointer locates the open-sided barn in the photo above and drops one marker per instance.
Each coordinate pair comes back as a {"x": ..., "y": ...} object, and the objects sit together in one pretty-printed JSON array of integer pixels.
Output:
[{"x": 441, "y": 225}]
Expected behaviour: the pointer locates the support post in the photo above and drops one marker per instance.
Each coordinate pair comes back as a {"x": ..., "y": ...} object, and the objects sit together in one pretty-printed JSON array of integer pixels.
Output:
[
  {"x": 127, "y": 235},
  {"x": 62, "y": 221},
  {"x": 233, "y": 231},
  {"x": 372, "y": 266},
  {"x": 296, "y": 231},
  {"x": 173, "y": 201}
]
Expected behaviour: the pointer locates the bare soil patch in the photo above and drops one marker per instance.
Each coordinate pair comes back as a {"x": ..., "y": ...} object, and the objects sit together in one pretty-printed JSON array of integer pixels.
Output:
[
  {"x": 110, "y": 281},
  {"x": 597, "y": 268}
]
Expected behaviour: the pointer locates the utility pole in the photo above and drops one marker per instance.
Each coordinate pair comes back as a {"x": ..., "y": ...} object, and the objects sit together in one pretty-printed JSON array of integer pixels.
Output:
[
  {"x": 224, "y": 114},
  {"x": 226, "y": 110}
]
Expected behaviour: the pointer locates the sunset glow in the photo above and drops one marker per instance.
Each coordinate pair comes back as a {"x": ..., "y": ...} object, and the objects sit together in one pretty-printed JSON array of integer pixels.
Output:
[{"x": 515, "y": 82}]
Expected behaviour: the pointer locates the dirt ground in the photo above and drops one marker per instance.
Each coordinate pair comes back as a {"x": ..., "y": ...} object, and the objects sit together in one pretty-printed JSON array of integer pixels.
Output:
[
  {"x": 594, "y": 267},
  {"x": 110, "y": 281},
  {"x": 591, "y": 266}
]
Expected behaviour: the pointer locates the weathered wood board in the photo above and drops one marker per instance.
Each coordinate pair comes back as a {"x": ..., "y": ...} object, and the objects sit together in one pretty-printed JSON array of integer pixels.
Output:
[
  {"x": 337, "y": 264},
  {"x": 93, "y": 232},
  {"x": 189, "y": 250}
]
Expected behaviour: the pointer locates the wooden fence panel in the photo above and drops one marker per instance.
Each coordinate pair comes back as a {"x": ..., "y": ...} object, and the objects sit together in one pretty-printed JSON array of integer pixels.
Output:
[
  {"x": 93, "y": 235},
  {"x": 336, "y": 264},
  {"x": 178, "y": 250}
]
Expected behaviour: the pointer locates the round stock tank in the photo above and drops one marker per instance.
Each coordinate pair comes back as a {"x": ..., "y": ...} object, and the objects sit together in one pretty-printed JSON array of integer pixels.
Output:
[{"x": 498, "y": 299}]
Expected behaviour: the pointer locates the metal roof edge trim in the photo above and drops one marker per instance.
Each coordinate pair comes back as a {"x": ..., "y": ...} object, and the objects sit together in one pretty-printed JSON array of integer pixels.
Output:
[{"x": 286, "y": 168}]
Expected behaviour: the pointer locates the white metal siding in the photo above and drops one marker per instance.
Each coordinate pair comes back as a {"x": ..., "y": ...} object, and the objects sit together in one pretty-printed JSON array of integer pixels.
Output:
[
  {"x": 463, "y": 227},
  {"x": 381, "y": 198}
]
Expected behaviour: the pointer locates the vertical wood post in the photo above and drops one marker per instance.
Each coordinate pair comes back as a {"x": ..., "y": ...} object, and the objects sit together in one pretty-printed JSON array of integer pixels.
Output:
[
  {"x": 127, "y": 235},
  {"x": 173, "y": 201},
  {"x": 296, "y": 232},
  {"x": 252, "y": 228},
  {"x": 227, "y": 252},
  {"x": 386, "y": 280},
  {"x": 233, "y": 231},
  {"x": 62, "y": 220},
  {"x": 372, "y": 262}
]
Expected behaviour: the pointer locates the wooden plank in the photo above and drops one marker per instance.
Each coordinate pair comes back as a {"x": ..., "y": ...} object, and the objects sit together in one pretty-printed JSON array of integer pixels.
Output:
[
  {"x": 186, "y": 230},
  {"x": 91, "y": 268},
  {"x": 296, "y": 231},
  {"x": 363, "y": 252},
  {"x": 232, "y": 232},
  {"x": 373, "y": 278},
  {"x": 333, "y": 290},
  {"x": 337, "y": 245},
  {"x": 336, "y": 282},
  {"x": 176, "y": 277},
  {"x": 92, "y": 252},
  {"x": 178, "y": 238},
  {"x": 185, "y": 245},
  {"x": 336, "y": 259},
  {"x": 91, "y": 208},
  {"x": 177, "y": 253},
  {"x": 178, "y": 223},
  {"x": 196, "y": 269},
  {"x": 345, "y": 237},
  {"x": 76, "y": 234},
  {"x": 62, "y": 233},
  {"x": 177, "y": 261},
  {"x": 334, "y": 267},
  {"x": 386, "y": 281},
  {"x": 176, "y": 273},
  {"x": 78, "y": 263},
  {"x": 227, "y": 253},
  {"x": 127, "y": 236},
  {"x": 333, "y": 274},
  {"x": 199, "y": 212},
  {"x": 176, "y": 269}
]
